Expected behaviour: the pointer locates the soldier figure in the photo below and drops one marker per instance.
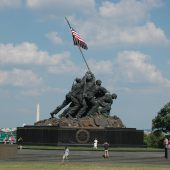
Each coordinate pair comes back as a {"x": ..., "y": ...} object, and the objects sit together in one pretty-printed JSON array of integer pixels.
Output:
[
  {"x": 88, "y": 94},
  {"x": 66, "y": 101},
  {"x": 68, "y": 98},
  {"x": 76, "y": 99},
  {"x": 99, "y": 92},
  {"x": 105, "y": 103}
]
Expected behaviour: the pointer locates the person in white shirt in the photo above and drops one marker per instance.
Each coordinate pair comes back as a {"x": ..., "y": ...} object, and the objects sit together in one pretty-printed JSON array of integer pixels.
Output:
[
  {"x": 95, "y": 143},
  {"x": 166, "y": 147},
  {"x": 66, "y": 153}
]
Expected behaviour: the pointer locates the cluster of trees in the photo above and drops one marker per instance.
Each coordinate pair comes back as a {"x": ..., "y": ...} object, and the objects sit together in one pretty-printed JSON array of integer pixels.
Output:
[
  {"x": 160, "y": 126},
  {"x": 154, "y": 139}
]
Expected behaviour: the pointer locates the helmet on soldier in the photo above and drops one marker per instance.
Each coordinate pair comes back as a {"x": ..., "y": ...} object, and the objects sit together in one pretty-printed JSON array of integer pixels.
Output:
[
  {"x": 98, "y": 82},
  {"x": 114, "y": 96},
  {"x": 78, "y": 80}
]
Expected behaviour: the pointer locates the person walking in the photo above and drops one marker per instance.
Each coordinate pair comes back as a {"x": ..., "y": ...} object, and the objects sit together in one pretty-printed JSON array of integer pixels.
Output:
[
  {"x": 106, "y": 150},
  {"x": 20, "y": 142},
  {"x": 66, "y": 154}
]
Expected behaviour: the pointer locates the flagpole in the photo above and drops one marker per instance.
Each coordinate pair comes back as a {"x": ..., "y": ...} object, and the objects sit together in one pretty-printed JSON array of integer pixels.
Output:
[
  {"x": 68, "y": 22},
  {"x": 79, "y": 47},
  {"x": 84, "y": 58}
]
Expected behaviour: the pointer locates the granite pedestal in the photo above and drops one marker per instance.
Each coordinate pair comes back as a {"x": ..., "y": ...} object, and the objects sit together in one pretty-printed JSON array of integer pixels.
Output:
[{"x": 51, "y": 135}]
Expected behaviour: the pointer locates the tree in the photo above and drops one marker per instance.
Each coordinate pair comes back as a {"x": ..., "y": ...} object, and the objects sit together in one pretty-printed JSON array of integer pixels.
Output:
[
  {"x": 162, "y": 121},
  {"x": 154, "y": 139}
]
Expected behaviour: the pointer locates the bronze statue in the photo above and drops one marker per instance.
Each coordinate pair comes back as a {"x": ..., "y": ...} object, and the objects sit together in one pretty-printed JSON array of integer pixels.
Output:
[{"x": 86, "y": 98}]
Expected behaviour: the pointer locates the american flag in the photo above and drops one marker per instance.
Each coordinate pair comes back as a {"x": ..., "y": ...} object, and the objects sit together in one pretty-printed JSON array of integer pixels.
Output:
[{"x": 78, "y": 40}]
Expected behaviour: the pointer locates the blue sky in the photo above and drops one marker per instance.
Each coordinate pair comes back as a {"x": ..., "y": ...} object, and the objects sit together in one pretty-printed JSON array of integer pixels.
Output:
[{"x": 129, "y": 47}]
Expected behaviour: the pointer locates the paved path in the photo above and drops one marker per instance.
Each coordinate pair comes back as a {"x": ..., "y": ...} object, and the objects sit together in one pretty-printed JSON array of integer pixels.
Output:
[{"x": 152, "y": 158}]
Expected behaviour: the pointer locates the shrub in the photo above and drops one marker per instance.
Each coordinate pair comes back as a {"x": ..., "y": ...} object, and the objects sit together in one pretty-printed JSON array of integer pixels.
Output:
[{"x": 154, "y": 139}]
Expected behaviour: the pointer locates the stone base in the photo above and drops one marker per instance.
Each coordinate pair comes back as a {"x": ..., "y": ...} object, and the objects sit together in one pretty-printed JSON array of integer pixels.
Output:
[
  {"x": 52, "y": 135},
  {"x": 8, "y": 151},
  {"x": 97, "y": 121}
]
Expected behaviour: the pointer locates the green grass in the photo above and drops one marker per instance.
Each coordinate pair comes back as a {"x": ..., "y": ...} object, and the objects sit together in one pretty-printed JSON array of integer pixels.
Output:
[
  {"x": 119, "y": 149},
  {"x": 74, "y": 166}
]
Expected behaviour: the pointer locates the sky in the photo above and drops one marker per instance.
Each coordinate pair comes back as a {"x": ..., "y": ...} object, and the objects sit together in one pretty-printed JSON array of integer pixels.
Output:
[{"x": 128, "y": 49}]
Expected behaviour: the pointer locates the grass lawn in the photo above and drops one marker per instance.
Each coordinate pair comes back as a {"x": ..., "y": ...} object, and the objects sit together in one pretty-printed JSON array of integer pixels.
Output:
[
  {"x": 32, "y": 165},
  {"x": 119, "y": 149},
  {"x": 74, "y": 166}
]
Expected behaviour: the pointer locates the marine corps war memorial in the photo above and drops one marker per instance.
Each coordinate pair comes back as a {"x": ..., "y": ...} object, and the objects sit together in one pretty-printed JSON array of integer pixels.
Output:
[{"x": 84, "y": 114}]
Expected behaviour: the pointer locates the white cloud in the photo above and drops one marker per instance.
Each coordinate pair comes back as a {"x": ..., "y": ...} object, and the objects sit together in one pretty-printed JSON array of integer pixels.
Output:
[
  {"x": 147, "y": 34},
  {"x": 62, "y": 5},
  {"x": 110, "y": 23},
  {"x": 9, "y": 3},
  {"x": 101, "y": 67},
  {"x": 123, "y": 10},
  {"x": 135, "y": 67},
  {"x": 115, "y": 23},
  {"x": 28, "y": 53},
  {"x": 109, "y": 35},
  {"x": 54, "y": 38},
  {"x": 18, "y": 77},
  {"x": 106, "y": 34}
]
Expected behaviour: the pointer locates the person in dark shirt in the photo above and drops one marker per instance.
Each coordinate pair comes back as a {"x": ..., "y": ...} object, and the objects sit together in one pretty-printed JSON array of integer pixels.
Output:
[{"x": 106, "y": 150}]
